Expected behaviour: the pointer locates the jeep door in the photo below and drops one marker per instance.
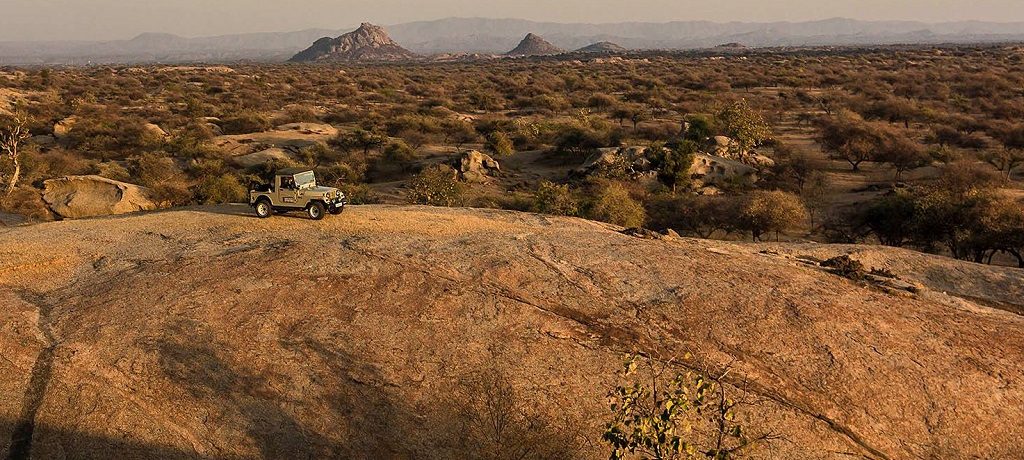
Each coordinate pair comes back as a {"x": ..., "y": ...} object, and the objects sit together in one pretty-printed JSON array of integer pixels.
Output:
[{"x": 287, "y": 192}]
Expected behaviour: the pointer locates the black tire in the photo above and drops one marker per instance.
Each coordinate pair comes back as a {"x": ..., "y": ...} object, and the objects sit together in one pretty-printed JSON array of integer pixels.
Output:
[
  {"x": 263, "y": 209},
  {"x": 338, "y": 210},
  {"x": 316, "y": 211}
]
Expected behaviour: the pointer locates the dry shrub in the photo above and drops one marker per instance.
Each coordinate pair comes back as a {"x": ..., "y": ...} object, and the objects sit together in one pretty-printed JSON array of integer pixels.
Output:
[
  {"x": 555, "y": 199},
  {"x": 26, "y": 202},
  {"x": 298, "y": 114},
  {"x": 246, "y": 123},
  {"x": 661, "y": 131},
  {"x": 342, "y": 115},
  {"x": 162, "y": 176},
  {"x": 152, "y": 169},
  {"x": 359, "y": 194},
  {"x": 846, "y": 267},
  {"x": 498, "y": 423},
  {"x": 436, "y": 186},
  {"x": 221, "y": 189},
  {"x": 171, "y": 193},
  {"x": 612, "y": 203},
  {"x": 39, "y": 166},
  {"x": 764, "y": 212},
  {"x": 113, "y": 170}
]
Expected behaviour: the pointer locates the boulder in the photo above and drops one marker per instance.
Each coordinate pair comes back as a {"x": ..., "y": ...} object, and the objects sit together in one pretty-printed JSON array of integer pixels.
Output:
[
  {"x": 716, "y": 170},
  {"x": 759, "y": 161},
  {"x": 215, "y": 129},
  {"x": 475, "y": 166},
  {"x": 63, "y": 127},
  {"x": 726, "y": 147},
  {"x": 75, "y": 197},
  {"x": 722, "y": 146},
  {"x": 633, "y": 159},
  {"x": 263, "y": 156},
  {"x": 317, "y": 129},
  {"x": 709, "y": 191},
  {"x": 213, "y": 124},
  {"x": 154, "y": 130}
]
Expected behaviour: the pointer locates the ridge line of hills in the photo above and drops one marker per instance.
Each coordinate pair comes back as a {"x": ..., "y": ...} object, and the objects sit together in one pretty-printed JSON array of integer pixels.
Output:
[{"x": 481, "y": 35}]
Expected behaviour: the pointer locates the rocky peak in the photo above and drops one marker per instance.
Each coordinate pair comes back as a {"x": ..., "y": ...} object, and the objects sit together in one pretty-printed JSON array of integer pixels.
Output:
[
  {"x": 602, "y": 47},
  {"x": 534, "y": 45},
  {"x": 367, "y": 43},
  {"x": 371, "y": 35}
]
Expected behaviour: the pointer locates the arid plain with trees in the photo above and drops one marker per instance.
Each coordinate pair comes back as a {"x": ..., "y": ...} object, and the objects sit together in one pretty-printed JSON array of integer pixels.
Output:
[
  {"x": 847, "y": 145},
  {"x": 724, "y": 253}
]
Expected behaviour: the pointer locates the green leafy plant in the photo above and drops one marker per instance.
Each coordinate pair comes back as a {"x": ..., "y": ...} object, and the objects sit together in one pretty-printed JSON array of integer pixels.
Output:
[
  {"x": 775, "y": 211},
  {"x": 744, "y": 124},
  {"x": 674, "y": 162},
  {"x": 681, "y": 416}
]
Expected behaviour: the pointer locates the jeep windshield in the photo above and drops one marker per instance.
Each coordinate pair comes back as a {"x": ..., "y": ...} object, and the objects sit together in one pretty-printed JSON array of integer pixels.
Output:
[{"x": 305, "y": 180}]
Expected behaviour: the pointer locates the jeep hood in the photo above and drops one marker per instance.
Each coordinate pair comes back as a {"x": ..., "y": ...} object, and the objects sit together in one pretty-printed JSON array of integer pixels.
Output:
[{"x": 320, "y": 190}]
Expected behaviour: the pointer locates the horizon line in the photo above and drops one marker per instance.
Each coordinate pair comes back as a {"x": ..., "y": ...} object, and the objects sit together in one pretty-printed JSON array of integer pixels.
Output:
[{"x": 447, "y": 18}]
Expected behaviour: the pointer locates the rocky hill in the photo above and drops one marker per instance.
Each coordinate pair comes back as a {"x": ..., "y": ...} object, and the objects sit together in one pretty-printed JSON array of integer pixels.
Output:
[
  {"x": 602, "y": 47},
  {"x": 534, "y": 45},
  {"x": 367, "y": 43},
  {"x": 207, "y": 333}
]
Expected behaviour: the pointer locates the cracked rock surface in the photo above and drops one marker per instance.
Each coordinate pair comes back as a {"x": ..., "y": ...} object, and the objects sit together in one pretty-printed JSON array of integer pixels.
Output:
[{"x": 208, "y": 333}]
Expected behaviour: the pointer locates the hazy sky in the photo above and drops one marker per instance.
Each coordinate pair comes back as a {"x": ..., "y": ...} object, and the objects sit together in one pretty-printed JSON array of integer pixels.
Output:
[{"x": 115, "y": 19}]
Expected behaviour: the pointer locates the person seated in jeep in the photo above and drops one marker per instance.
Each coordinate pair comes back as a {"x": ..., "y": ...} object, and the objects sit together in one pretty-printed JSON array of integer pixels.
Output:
[{"x": 296, "y": 189}]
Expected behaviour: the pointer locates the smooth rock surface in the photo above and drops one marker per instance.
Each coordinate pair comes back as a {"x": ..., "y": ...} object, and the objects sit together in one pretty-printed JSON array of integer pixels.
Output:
[{"x": 209, "y": 333}]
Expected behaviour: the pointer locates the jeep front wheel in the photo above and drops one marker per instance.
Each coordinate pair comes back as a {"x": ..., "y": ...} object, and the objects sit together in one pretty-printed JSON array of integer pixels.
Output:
[
  {"x": 338, "y": 210},
  {"x": 263, "y": 209},
  {"x": 316, "y": 211}
]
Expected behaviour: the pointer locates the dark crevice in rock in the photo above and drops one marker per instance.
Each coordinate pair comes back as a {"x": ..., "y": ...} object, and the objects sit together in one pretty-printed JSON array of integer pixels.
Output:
[{"x": 21, "y": 437}]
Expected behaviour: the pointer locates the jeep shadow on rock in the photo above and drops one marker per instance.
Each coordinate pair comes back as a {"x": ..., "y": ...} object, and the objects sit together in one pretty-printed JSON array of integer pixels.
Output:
[{"x": 295, "y": 189}]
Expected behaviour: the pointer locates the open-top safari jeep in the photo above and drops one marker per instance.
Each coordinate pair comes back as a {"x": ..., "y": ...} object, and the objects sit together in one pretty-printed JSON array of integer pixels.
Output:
[{"x": 295, "y": 189}]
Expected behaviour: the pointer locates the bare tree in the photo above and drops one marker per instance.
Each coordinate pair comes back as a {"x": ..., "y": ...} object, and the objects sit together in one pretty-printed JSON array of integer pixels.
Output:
[{"x": 11, "y": 136}]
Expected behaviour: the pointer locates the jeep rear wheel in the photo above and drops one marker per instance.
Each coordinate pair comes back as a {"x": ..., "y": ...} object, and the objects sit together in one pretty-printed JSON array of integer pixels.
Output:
[
  {"x": 263, "y": 209},
  {"x": 316, "y": 211}
]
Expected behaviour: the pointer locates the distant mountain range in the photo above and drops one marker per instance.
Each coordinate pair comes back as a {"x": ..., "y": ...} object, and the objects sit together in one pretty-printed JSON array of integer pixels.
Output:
[{"x": 475, "y": 35}]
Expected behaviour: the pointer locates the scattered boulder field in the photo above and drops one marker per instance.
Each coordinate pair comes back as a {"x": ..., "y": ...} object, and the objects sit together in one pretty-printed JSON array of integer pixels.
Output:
[
  {"x": 707, "y": 170},
  {"x": 207, "y": 333}
]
